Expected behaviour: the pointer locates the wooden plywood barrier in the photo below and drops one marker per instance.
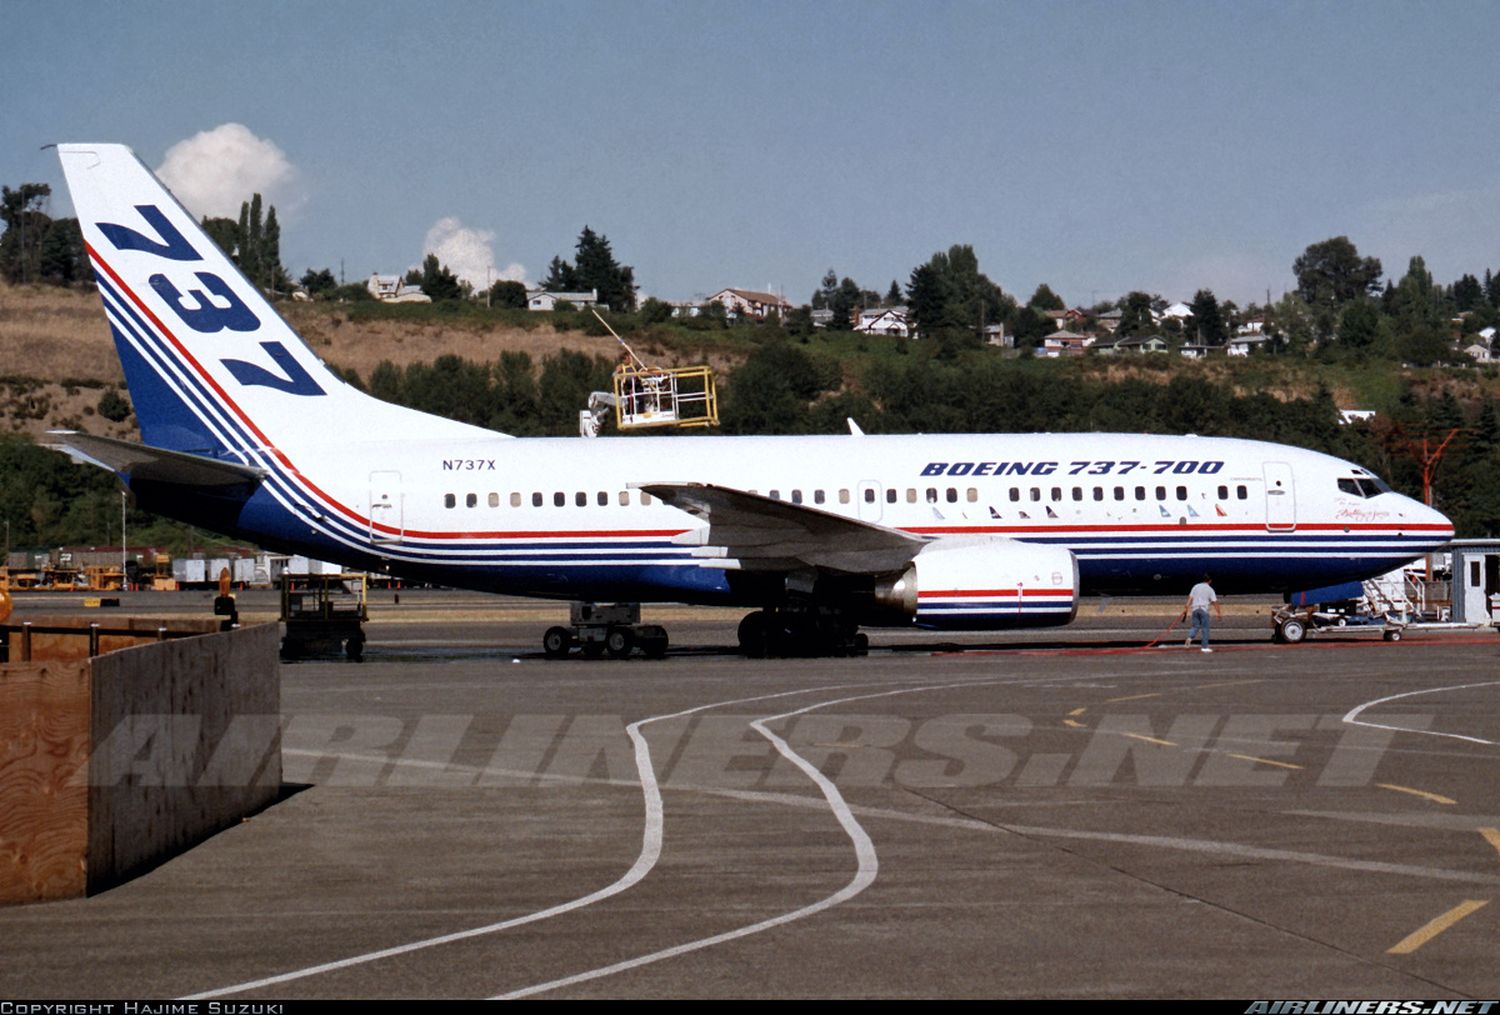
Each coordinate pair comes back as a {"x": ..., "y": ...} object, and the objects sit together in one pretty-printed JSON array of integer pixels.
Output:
[{"x": 110, "y": 765}]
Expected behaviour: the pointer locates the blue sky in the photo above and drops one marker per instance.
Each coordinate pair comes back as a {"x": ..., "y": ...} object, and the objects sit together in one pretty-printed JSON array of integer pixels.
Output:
[{"x": 1098, "y": 147}]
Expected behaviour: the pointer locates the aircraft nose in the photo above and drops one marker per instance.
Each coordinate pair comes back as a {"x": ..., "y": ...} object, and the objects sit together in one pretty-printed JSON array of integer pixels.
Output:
[{"x": 1430, "y": 522}]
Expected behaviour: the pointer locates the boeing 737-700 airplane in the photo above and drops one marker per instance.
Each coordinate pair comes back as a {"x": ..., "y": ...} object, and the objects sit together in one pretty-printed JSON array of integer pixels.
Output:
[{"x": 248, "y": 433}]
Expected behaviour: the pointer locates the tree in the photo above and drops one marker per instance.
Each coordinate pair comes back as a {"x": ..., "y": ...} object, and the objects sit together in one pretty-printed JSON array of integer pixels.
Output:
[
  {"x": 1330, "y": 274},
  {"x": 561, "y": 278},
  {"x": 1208, "y": 318},
  {"x": 1468, "y": 294},
  {"x": 26, "y": 226},
  {"x": 1360, "y": 326},
  {"x": 1045, "y": 299},
  {"x": 655, "y": 311},
  {"x": 318, "y": 282},
  {"x": 1415, "y": 301},
  {"x": 951, "y": 300},
  {"x": 893, "y": 294},
  {"x": 595, "y": 269},
  {"x": 507, "y": 293},
  {"x": 438, "y": 282},
  {"x": 1137, "y": 318},
  {"x": 62, "y": 259}
]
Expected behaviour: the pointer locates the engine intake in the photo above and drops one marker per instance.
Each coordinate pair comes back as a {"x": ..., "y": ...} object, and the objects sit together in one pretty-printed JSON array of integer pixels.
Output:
[{"x": 985, "y": 585}]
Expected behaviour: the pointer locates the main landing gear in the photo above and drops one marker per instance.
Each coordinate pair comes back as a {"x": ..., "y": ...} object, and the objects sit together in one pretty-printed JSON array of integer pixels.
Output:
[
  {"x": 599, "y": 628},
  {"x": 801, "y": 631}
]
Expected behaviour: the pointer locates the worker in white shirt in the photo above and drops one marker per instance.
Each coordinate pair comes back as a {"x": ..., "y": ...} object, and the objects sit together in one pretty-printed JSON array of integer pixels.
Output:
[{"x": 1199, "y": 600}]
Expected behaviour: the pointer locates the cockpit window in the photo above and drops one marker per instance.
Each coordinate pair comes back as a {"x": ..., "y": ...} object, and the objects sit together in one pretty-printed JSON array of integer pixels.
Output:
[{"x": 1364, "y": 486}]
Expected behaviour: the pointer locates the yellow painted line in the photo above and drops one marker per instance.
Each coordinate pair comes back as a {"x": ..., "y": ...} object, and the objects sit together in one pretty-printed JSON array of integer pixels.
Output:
[
  {"x": 1492, "y": 836},
  {"x": 1434, "y": 797},
  {"x": 1432, "y": 929},
  {"x": 1134, "y": 697},
  {"x": 1079, "y": 711},
  {"x": 1150, "y": 740},
  {"x": 1266, "y": 761},
  {"x": 1075, "y": 725}
]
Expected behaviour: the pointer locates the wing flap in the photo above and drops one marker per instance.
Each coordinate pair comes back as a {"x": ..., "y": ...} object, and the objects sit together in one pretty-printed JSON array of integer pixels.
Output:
[{"x": 765, "y": 534}]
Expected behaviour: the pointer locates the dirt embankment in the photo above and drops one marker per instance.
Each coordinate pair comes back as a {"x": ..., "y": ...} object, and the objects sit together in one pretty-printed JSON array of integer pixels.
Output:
[{"x": 57, "y": 357}]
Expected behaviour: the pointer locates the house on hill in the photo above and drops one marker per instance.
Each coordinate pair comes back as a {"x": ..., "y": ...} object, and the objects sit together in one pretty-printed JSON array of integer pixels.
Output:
[
  {"x": 884, "y": 321},
  {"x": 391, "y": 289},
  {"x": 541, "y": 299},
  {"x": 749, "y": 303}
]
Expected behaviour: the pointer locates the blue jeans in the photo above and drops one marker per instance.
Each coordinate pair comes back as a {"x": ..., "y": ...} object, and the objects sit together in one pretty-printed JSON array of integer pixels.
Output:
[{"x": 1200, "y": 623}]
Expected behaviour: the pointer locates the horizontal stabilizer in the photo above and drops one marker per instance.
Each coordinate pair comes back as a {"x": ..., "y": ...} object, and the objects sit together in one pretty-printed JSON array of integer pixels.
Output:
[{"x": 142, "y": 462}]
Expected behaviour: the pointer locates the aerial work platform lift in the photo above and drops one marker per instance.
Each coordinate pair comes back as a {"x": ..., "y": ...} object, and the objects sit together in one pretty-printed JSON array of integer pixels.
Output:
[
  {"x": 645, "y": 396},
  {"x": 642, "y": 397}
]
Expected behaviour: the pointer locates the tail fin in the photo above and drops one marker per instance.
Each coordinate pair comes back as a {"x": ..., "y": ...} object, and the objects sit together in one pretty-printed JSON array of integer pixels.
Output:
[{"x": 212, "y": 368}]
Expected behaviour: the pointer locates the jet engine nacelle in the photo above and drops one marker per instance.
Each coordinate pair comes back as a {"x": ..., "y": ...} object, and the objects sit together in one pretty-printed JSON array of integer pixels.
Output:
[{"x": 986, "y": 584}]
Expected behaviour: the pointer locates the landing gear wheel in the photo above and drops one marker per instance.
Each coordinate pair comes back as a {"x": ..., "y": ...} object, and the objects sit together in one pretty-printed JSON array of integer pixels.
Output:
[
  {"x": 619, "y": 641},
  {"x": 654, "y": 645},
  {"x": 755, "y": 635},
  {"x": 1292, "y": 631},
  {"x": 556, "y": 642}
]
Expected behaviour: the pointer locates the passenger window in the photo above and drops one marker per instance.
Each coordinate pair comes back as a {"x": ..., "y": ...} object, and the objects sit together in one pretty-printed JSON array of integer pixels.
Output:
[
  {"x": 1119, "y": 493},
  {"x": 1223, "y": 493},
  {"x": 494, "y": 500},
  {"x": 624, "y": 498},
  {"x": 1242, "y": 493},
  {"x": 1015, "y": 494},
  {"x": 449, "y": 500},
  {"x": 932, "y": 495},
  {"x": 973, "y": 495},
  {"x": 581, "y": 499},
  {"x": 603, "y": 499},
  {"x": 911, "y": 495},
  {"x": 1140, "y": 493},
  {"x": 559, "y": 499},
  {"x": 890, "y": 495},
  {"x": 1182, "y": 493},
  {"x": 818, "y": 496},
  {"x": 1098, "y": 493},
  {"x": 471, "y": 500},
  {"x": 1036, "y": 494},
  {"x": 1078, "y": 493},
  {"x": 774, "y": 494},
  {"x": 844, "y": 495},
  {"x": 536, "y": 500},
  {"x": 1057, "y": 493},
  {"x": 645, "y": 499},
  {"x": 952, "y": 495},
  {"x": 515, "y": 499},
  {"x": 796, "y": 496}
]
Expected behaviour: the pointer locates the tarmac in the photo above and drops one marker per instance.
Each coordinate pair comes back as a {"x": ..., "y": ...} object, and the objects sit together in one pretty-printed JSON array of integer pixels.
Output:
[{"x": 1054, "y": 814}]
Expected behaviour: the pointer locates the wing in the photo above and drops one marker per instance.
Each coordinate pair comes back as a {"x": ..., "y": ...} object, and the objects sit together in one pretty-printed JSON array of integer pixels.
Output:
[
  {"x": 141, "y": 461},
  {"x": 762, "y": 534}
]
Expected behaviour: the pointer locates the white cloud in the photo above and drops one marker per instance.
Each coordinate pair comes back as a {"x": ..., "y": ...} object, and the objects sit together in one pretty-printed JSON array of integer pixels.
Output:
[
  {"x": 213, "y": 172},
  {"x": 468, "y": 254}
]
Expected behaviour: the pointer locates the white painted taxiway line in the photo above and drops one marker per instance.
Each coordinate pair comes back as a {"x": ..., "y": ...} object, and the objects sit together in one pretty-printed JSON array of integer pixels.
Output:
[
  {"x": 868, "y": 864},
  {"x": 1353, "y": 715},
  {"x": 651, "y": 840}
]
